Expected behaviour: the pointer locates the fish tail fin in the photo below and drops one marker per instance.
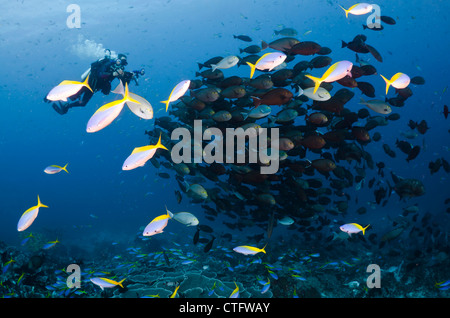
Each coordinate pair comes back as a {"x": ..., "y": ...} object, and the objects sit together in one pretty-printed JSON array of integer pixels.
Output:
[
  {"x": 85, "y": 83},
  {"x": 252, "y": 69},
  {"x": 364, "y": 229},
  {"x": 362, "y": 101},
  {"x": 264, "y": 248},
  {"x": 317, "y": 81},
  {"x": 159, "y": 144},
  {"x": 170, "y": 214},
  {"x": 388, "y": 83},
  {"x": 256, "y": 101},
  {"x": 214, "y": 67},
  {"x": 120, "y": 283},
  {"x": 65, "y": 168},
  {"x": 344, "y": 44},
  {"x": 200, "y": 66},
  {"x": 40, "y": 205},
  {"x": 346, "y": 11},
  {"x": 126, "y": 96},
  {"x": 166, "y": 102}
]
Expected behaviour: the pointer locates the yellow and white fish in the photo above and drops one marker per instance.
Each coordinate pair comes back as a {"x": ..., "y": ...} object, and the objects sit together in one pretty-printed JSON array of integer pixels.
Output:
[
  {"x": 141, "y": 155},
  {"x": 358, "y": 9},
  {"x": 157, "y": 225},
  {"x": 399, "y": 81},
  {"x": 249, "y": 250},
  {"x": 235, "y": 293},
  {"x": 334, "y": 73},
  {"x": 29, "y": 216},
  {"x": 107, "y": 113},
  {"x": 175, "y": 292},
  {"x": 267, "y": 62},
  {"x": 66, "y": 89},
  {"x": 143, "y": 110},
  {"x": 179, "y": 90},
  {"x": 52, "y": 169},
  {"x": 351, "y": 228},
  {"x": 106, "y": 283}
]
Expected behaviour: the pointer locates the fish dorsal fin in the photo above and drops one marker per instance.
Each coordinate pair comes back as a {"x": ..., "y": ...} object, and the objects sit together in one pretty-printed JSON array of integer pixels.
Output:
[
  {"x": 120, "y": 89},
  {"x": 142, "y": 149}
]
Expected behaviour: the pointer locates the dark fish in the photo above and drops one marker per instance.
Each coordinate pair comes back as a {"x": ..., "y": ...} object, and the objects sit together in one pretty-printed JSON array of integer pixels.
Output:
[
  {"x": 166, "y": 258},
  {"x": 373, "y": 27},
  {"x": 367, "y": 89},
  {"x": 374, "y": 52},
  {"x": 388, "y": 151},
  {"x": 209, "y": 245},
  {"x": 196, "y": 236},
  {"x": 244, "y": 38},
  {"x": 445, "y": 111},
  {"x": 445, "y": 165},
  {"x": 324, "y": 51},
  {"x": 413, "y": 153},
  {"x": 164, "y": 175},
  {"x": 252, "y": 49},
  {"x": 422, "y": 127},
  {"x": 404, "y": 146},
  {"x": 205, "y": 228},
  {"x": 418, "y": 80},
  {"x": 305, "y": 48},
  {"x": 178, "y": 196},
  {"x": 387, "y": 20},
  {"x": 368, "y": 69},
  {"x": 434, "y": 166},
  {"x": 208, "y": 63},
  {"x": 276, "y": 96}
]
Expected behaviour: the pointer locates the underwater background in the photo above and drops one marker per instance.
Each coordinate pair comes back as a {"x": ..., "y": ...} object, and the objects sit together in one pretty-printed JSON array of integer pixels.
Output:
[{"x": 97, "y": 211}]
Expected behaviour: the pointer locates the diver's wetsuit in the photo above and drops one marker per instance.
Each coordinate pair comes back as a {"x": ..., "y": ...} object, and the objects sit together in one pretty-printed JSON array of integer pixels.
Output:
[{"x": 102, "y": 73}]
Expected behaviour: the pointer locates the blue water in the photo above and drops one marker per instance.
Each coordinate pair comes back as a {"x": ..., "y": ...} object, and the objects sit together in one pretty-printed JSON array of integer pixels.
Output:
[{"x": 168, "y": 38}]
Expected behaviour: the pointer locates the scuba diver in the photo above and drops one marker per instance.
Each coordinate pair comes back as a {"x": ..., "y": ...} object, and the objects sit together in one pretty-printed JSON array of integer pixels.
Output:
[{"x": 101, "y": 73}]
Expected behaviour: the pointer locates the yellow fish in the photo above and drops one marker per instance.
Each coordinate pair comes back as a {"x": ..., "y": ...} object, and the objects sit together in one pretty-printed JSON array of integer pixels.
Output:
[{"x": 29, "y": 216}]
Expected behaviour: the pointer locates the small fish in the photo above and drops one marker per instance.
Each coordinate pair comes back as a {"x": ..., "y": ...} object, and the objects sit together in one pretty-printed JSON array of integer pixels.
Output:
[
  {"x": 249, "y": 250},
  {"x": 286, "y": 221},
  {"x": 209, "y": 245},
  {"x": 26, "y": 239},
  {"x": 358, "y": 9},
  {"x": 267, "y": 62},
  {"x": 351, "y": 228},
  {"x": 29, "y": 216},
  {"x": 265, "y": 287},
  {"x": 226, "y": 62},
  {"x": 244, "y": 38},
  {"x": 50, "y": 245},
  {"x": 179, "y": 90},
  {"x": 175, "y": 292},
  {"x": 66, "y": 89},
  {"x": 52, "y": 169},
  {"x": 235, "y": 293},
  {"x": 334, "y": 73},
  {"x": 399, "y": 81},
  {"x": 106, "y": 283},
  {"x": 157, "y": 225},
  {"x": 140, "y": 155},
  {"x": 108, "y": 112},
  {"x": 445, "y": 111},
  {"x": 377, "y": 106}
]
